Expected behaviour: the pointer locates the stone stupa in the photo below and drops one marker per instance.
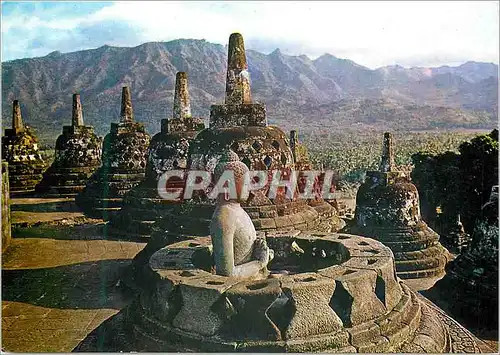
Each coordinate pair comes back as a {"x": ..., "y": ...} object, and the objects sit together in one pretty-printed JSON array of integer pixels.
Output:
[
  {"x": 168, "y": 150},
  {"x": 124, "y": 156},
  {"x": 388, "y": 210},
  {"x": 20, "y": 149},
  {"x": 241, "y": 126},
  {"x": 236, "y": 291},
  {"x": 77, "y": 156}
]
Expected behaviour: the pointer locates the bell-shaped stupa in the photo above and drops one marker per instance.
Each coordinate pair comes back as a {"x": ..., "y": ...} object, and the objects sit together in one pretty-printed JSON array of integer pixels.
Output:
[
  {"x": 77, "y": 156},
  {"x": 124, "y": 156},
  {"x": 20, "y": 149},
  {"x": 168, "y": 150},
  {"x": 388, "y": 210},
  {"x": 240, "y": 125}
]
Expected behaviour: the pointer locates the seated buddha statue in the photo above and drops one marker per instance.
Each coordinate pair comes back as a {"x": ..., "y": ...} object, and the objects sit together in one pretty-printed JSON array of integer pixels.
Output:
[{"x": 237, "y": 250}]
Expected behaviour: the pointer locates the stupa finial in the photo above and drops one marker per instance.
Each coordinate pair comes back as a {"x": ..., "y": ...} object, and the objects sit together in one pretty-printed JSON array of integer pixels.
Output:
[
  {"x": 17, "y": 119},
  {"x": 127, "y": 113},
  {"x": 182, "y": 106},
  {"x": 293, "y": 143},
  {"x": 387, "y": 163},
  {"x": 77, "y": 115},
  {"x": 238, "y": 78}
]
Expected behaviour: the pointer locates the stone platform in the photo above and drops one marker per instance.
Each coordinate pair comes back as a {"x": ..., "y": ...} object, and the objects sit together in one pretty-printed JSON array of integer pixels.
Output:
[
  {"x": 60, "y": 289},
  {"x": 59, "y": 277},
  {"x": 340, "y": 294}
]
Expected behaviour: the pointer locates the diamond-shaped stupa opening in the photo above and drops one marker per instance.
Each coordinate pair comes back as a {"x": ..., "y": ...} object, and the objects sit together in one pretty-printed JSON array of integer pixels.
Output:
[
  {"x": 268, "y": 161},
  {"x": 257, "y": 146}
]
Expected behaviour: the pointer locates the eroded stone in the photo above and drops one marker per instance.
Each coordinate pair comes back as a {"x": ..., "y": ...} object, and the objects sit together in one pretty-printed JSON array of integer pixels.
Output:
[
  {"x": 310, "y": 295},
  {"x": 20, "y": 149},
  {"x": 77, "y": 156},
  {"x": 123, "y": 164},
  {"x": 387, "y": 209}
]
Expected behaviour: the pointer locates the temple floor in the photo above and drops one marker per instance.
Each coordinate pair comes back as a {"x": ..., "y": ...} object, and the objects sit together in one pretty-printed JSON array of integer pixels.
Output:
[
  {"x": 60, "y": 282},
  {"x": 59, "y": 277}
]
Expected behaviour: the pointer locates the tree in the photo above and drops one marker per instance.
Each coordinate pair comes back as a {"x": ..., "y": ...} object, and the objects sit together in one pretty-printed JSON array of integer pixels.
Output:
[
  {"x": 479, "y": 172},
  {"x": 437, "y": 178}
]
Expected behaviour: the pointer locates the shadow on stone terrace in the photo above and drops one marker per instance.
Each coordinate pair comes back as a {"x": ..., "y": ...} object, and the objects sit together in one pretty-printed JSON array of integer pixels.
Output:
[{"x": 88, "y": 285}]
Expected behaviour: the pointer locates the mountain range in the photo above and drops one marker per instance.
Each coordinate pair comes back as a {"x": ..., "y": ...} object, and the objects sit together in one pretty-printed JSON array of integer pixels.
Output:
[{"x": 327, "y": 92}]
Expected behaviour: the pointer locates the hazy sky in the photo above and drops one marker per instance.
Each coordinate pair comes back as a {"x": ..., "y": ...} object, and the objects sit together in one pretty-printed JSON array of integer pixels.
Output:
[{"x": 371, "y": 33}]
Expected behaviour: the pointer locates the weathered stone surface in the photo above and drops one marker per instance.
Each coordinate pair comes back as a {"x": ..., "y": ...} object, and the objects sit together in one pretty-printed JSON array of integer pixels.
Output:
[
  {"x": 395, "y": 326},
  {"x": 6, "y": 224},
  {"x": 366, "y": 338},
  {"x": 338, "y": 341},
  {"x": 298, "y": 311},
  {"x": 259, "y": 147},
  {"x": 431, "y": 335},
  {"x": 237, "y": 79},
  {"x": 20, "y": 150},
  {"x": 142, "y": 205},
  {"x": 123, "y": 164},
  {"x": 77, "y": 156},
  {"x": 252, "y": 301},
  {"x": 387, "y": 287},
  {"x": 182, "y": 106},
  {"x": 461, "y": 340},
  {"x": 387, "y": 209},
  {"x": 199, "y": 304},
  {"x": 387, "y": 163},
  {"x": 355, "y": 300},
  {"x": 127, "y": 112},
  {"x": 310, "y": 296}
]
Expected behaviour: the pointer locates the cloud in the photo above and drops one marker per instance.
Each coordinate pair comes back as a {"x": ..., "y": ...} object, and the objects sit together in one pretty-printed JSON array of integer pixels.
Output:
[{"x": 370, "y": 33}]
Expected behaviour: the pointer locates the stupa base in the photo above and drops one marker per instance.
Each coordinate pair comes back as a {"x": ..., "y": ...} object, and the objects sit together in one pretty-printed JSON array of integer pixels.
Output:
[
  {"x": 420, "y": 258},
  {"x": 142, "y": 207},
  {"x": 64, "y": 182},
  {"x": 349, "y": 300},
  {"x": 103, "y": 196}
]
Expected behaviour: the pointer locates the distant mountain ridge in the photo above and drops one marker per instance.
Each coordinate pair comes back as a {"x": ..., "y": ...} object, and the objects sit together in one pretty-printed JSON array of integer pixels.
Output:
[{"x": 294, "y": 88}]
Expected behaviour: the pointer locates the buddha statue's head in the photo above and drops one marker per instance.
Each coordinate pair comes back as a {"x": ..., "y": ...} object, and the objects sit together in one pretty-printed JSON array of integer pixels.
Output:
[{"x": 229, "y": 177}]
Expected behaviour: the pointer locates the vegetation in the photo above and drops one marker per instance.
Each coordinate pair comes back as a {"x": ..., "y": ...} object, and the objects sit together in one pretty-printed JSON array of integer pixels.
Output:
[
  {"x": 352, "y": 154},
  {"x": 454, "y": 171},
  {"x": 479, "y": 172},
  {"x": 436, "y": 176},
  {"x": 457, "y": 182}
]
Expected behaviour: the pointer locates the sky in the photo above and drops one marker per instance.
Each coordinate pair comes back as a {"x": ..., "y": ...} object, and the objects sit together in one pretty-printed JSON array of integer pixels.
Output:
[{"x": 373, "y": 34}]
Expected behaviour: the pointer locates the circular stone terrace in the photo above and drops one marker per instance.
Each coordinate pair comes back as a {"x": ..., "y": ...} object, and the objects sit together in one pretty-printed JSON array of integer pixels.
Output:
[{"x": 325, "y": 292}]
